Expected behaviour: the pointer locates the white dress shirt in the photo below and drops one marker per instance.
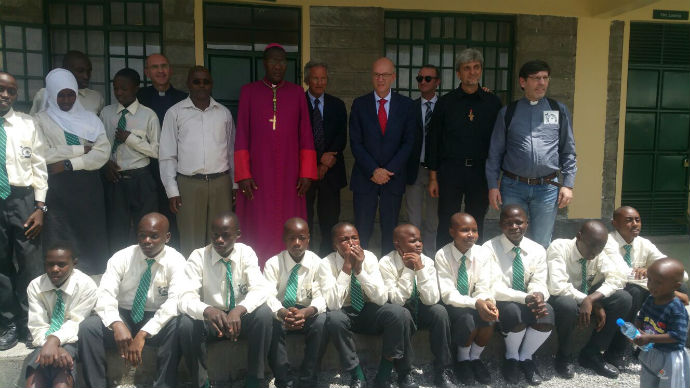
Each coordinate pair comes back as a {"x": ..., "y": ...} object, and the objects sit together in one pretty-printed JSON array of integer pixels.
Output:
[
  {"x": 335, "y": 284},
  {"x": 205, "y": 281},
  {"x": 121, "y": 279},
  {"x": 565, "y": 271},
  {"x": 56, "y": 148},
  {"x": 90, "y": 99},
  {"x": 479, "y": 275},
  {"x": 195, "y": 141},
  {"x": 24, "y": 154},
  {"x": 78, "y": 296},
  {"x": 533, "y": 258},
  {"x": 277, "y": 273},
  {"x": 399, "y": 279},
  {"x": 142, "y": 143},
  {"x": 387, "y": 104}
]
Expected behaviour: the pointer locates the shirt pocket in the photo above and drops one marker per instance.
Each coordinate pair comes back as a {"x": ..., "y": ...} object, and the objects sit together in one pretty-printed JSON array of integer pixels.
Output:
[
  {"x": 160, "y": 288},
  {"x": 24, "y": 153}
]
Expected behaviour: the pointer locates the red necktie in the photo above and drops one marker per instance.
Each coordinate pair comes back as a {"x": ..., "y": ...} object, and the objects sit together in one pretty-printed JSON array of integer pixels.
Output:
[{"x": 383, "y": 119}]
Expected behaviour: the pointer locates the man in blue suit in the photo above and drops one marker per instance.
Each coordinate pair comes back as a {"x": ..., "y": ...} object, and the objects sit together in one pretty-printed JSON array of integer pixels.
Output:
[{"x": 382, "y": 130}]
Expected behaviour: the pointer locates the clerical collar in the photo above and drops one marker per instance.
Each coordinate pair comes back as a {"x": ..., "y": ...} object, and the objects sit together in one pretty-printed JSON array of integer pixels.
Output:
[
  {"x": 533, "y": 102},
  {"x": 271, "y": 84}
]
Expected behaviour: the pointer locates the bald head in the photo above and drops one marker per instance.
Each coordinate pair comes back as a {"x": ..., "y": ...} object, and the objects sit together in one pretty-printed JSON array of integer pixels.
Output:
[
  {"x": 403, "y": 230},
  {"x": 668, "y": 268},
  {"x": 294, "y": 224},
  {"x": 459, "y": 219},
  {"x": 156, "y": 219},
  {"x": 511, "y": 210},
  {"x": 591, "y": 239}
]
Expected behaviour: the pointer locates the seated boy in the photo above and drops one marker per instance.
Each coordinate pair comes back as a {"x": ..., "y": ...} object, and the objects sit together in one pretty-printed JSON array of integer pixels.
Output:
[
  {"x": 58, "y": 302},
  {"x": 223, "y": 297},
  {"x": 298, "y": 304},
  {"x": 136, "y": 304},
  {"x": 356, "y": 298},
  {"x": 410, "y": 277},
  {"x": 520, "y": 291},
  {"x": 464, "y": 277}
]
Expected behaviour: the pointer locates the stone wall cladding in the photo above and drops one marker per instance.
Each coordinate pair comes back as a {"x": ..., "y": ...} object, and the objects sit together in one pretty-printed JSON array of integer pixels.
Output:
[
  {"x": 178, "y": 39},
  {"x": 21, "y": 11}
]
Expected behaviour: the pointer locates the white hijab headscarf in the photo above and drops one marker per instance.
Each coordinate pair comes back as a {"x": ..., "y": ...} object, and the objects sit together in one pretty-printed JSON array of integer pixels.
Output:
[{"x": 77, "y": 121}]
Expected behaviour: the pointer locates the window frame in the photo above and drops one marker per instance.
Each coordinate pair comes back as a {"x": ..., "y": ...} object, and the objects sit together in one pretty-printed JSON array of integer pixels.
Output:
[{"x": 23, "y": 80}]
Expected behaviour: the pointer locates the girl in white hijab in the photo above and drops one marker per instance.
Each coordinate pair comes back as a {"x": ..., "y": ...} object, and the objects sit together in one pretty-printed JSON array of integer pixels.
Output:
[{"x": 76, "y": 147}]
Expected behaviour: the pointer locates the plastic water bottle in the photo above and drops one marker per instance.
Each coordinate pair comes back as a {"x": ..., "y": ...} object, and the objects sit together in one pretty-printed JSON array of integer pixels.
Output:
[{"x": 629, "y": 330}]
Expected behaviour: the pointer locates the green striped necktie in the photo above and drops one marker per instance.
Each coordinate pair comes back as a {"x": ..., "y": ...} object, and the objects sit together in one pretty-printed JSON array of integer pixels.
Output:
[
  {"x": 4, "y": 178},
  {"x": 142, "y": 291},
  {"x": 463, "y": 283},
  {"x": 291, "y": 289},
  {"x": 356, "y": 295},
  {"x": 583, "y": 268},
  {"x": 58, "y": 315},
  {"x": 627, "y": 258},
  {"x": 518, "y": 271},
  {"x": 229, "y": 290},
  {"x": 121, "y": 124}
]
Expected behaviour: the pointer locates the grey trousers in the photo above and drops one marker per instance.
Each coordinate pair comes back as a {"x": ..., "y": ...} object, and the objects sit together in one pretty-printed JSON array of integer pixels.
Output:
[
  {"x": 49, "y": 373},
  {"x": 463, "y": 321},
  {"x": 435, "y": 319},
  {"x": 422, "y": 210}
]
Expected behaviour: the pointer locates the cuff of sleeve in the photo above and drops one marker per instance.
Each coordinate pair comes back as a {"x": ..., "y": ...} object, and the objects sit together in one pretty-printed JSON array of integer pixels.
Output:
[
  {"x": 109, "y": 318},
  {"x": 77, "y": 150},
  {"x": 132, "y": 139},
  {"x": 579, "y": 296},
  {"x": 307, "y": 164},
  {"x": 273, "y": 303},
  {"x": 172, "y": 190},
  {"x": 152, "y": 327},
  {"x": 606, "y": 290},
  {"x": 518, "y": 297},
  {"x": 569, "y": 181},
  {"x": 77, "y": 163},
  {"x": 242, "y": 166},
  {"x": 196, "y": 311},
  {"x": 40, "y": 195},
  {"x": 423, "y": 274},
  {"x": 319, "y": 304},
  {"x": 363, "y": 277}
]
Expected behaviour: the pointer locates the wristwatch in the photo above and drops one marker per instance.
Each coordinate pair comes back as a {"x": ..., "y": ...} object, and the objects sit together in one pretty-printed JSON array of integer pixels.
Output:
[
  {"x": 68, "y": 165},
  {"x": 43, "y": 208}
]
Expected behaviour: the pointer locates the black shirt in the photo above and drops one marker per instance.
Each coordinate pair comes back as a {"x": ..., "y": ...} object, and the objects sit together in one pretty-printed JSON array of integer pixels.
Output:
[
  {"x": 461, "y": 126},
  {"x": 150, "y": 97}
]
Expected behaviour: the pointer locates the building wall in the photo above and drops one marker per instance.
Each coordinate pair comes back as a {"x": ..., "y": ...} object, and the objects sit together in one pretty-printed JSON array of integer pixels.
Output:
[
  {"x": 21, "y": 11},
  {"x": 178, "y": 38}
]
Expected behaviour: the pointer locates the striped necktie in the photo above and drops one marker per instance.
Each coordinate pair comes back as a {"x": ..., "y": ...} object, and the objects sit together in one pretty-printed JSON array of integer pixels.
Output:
[
  {"x": 291, "y": 289},
  {"x": 518, "y": 271},
  {"x": 58, "y": 315},
  {"x": 4, "y": 178},
  {"x": 71, "y": 139},
  {"x": 142, "y": 291},
  {"x": 583, "y": 265},
  {"x": 229, "y": 289},
  {"x": 121, "y": 124},
  {"x": 356, "y": 295},
  {"x": 627, "y": 258},
  {"x": 427, "y": 116},
  {"x": 463, "y": 283}
]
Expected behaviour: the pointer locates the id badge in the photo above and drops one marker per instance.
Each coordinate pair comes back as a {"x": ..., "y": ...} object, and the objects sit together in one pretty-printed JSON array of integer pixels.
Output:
[{"x": 551, "y": 117}]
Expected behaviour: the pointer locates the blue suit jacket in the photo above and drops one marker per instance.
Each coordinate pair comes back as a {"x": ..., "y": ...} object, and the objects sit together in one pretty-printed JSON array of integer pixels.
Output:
[{"x": 372, "y": 149}]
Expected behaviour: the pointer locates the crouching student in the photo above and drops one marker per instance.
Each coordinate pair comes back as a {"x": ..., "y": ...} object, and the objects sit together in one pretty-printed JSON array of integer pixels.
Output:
[
  {"x": 520, "y": 290},
  {"x": 464, "y": 277},
  {"x": 356, "y": 298},
  {"x": 223, "y": 297},
  {"x": 298, "y": 305},
  {"x": 137, "y": 304},
  {"x": 411, "y": 281},
  {"x": 58, "y": 302}
]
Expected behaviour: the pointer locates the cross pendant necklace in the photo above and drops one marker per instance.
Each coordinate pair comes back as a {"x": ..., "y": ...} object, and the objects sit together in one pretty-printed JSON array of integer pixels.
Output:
[{"x": 274, "y": 89}]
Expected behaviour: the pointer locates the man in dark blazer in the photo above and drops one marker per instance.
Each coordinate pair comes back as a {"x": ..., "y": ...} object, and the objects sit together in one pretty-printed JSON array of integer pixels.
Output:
[
  {"x": 381, "y": 137},
  {"x": 329, "y": 126}
]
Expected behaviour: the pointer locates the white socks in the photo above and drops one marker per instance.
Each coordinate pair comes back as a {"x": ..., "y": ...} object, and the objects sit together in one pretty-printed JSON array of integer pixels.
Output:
[
  {"x": 463, "y": 353},
  {"x": 475, "y": 351},
  {"x": 532, "y": 342},
  {"x": 513, "y": 341}
]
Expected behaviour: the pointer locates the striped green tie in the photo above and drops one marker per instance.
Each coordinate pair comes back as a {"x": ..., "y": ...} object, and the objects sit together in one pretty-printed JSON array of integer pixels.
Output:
[
  {"x": 627, "y": 248},
  {"x": 291, "y": 289},
  {"x": 4, "y": 179},
  {"x": 356, "y": 296},
  {"x": 121, "y": 124},
  {"x": 463, "y": 283},
  {"x": 585, "y": 286},
  {"x": 58, "y": 316},
  {"x": 71, "y": 139},
  {"x": 518, "y": 271},
  {"x": 229, "y": 290},
  {"x": 142, "y": 291}
]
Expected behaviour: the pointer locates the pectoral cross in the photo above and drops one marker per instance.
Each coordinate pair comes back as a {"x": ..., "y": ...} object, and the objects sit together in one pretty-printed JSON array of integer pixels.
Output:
[
  {"x": 273, "y": 120},
  {"x": 471, "y": 115}
]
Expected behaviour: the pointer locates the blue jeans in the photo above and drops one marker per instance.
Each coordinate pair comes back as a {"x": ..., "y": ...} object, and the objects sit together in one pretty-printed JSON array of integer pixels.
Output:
[{"x": 540, "y": 202}]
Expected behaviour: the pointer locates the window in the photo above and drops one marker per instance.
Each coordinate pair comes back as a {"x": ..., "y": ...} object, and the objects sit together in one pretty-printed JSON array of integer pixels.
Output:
[
  {"x": 412, "y": 40},
  {"x": 21, "y": 54}
]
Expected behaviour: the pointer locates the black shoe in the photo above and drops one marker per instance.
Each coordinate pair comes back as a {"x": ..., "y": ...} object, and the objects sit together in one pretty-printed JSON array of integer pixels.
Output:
[
  {"x": 9, "y": 339},
  {"x": 405, "y": 380},
  {"x": 384, "y": 383},
  {"x": 285, "y": 384},
  {"x": 596, "y": 363},
  {"x": 444, "y": 379},
  {"x": 529, "y": 368},
  {"x": 615, "y": 358},
  {"x": 463, "y": 372},
  {"x": 481, "y": 374},
  {"x": 357, "y": 383},
  {"x": 564, "y": 367},
  {"x": 510, "y": 371}
]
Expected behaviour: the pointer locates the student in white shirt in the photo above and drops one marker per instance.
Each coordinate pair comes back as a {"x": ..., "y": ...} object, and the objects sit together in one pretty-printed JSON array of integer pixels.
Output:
[
  {"x": 23, "y": 187},
  {"x": 58, "y": 302},
  {"x": 411, "y": 280},
  {"x": 224, "y": 297},
  {"x": 464, "y": 278},
  {"x": 520, "y": 291},
  {"x": 137, "y": 304},
  {"x": 584, "y": 282},
  {"x": 133, "y": 131},
  {"x": 292, "y": 276},
  {"x": 356, "y": 298}
]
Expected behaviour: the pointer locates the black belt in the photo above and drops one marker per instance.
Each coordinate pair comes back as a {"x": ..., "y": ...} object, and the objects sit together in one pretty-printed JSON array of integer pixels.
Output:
[
  {"x": 135, "y": 172},
  {"x": 207, "y": 177},
  {"x": 545, "y": 180}
]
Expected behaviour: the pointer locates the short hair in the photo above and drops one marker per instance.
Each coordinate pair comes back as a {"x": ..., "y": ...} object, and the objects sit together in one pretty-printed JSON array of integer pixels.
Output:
[
  {"x": 129, "y": 74},
  {"x": 430, "y": 66},
  {"x": 338, "y": 226},
  {"x": 65, "y": 246},
  {"x": 533, "y": 67},
  {"x": 73, "y": 55},
  {"x": 469, "y": 55},
  {"x": 310, "y": 65},
  {"x": 196, "y": 68}
]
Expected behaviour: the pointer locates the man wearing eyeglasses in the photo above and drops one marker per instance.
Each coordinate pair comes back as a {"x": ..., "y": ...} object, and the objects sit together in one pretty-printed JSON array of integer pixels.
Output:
[
  {"x": 422, "y": 209},
  {"x": 459, "y": 144},
  {"x": 531, "y": 144}
]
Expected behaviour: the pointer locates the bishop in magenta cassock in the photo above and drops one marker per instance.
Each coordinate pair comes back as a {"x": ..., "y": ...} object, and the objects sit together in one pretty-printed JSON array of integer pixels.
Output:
[{"x": 275, "y": 159}]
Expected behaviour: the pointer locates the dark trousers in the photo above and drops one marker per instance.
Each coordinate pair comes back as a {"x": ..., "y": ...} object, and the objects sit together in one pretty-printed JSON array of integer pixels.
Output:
[
  {"x": 164, "y": 204},
  {"x": 392, "y": 321},
  {"x": 20, "y": 258},
  {"x": 435, "y": 319},
  {"x": 515, "y": 314},
  {"x": 463, "y": 321},
  {"x": 95, "y": 338},
  {"x": 126, "y": 201},
  {"x": 315, "y": 339},
  {"x": 327, "y": 200},
  {"x": 365, "y": 205},
  {"x": 256, "y": 328},
  {"x": 50, "y": 373},
  {"x": 566, "y": 310},
  {"x": 456, "y": 183}
]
